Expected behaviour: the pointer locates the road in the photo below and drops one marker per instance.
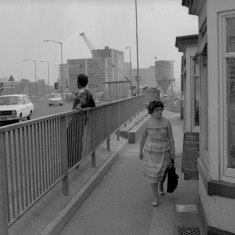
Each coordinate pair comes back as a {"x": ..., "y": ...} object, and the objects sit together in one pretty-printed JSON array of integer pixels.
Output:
[{"x": 43, "y": 109}]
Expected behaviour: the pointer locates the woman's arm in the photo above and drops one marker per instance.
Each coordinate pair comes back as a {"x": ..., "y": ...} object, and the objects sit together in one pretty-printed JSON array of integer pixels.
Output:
[
  {"x": 171, "y": 139},
  {"x": 142, "y": 142}
]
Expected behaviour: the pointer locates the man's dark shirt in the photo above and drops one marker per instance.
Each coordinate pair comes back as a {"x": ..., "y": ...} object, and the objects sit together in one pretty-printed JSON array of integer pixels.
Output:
[{"x": 85, "y": 98}]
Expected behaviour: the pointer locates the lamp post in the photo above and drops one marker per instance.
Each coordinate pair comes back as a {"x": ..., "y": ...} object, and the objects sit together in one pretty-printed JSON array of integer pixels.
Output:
[
  {"x": 35, "y": 63},
  {"x": 48, "y": 74},
  {"x": 137, "y": 50},
  {"x": 130, "y": 60},
  {"x": 62, "y": 74}
]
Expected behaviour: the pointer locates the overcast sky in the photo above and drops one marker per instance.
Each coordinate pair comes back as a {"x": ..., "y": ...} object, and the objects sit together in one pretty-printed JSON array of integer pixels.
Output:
[{"x": 25, "y": 24}]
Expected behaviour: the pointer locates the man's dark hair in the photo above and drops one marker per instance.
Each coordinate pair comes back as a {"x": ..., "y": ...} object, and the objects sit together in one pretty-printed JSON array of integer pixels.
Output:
[
  {"x": 82, "y": 80},
  {"x": 153, "y": 105}
]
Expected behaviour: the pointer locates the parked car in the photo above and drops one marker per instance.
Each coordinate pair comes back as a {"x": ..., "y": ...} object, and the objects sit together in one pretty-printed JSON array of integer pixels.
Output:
[
  {"x": 15, "y": 108},
  {"x": 55, "y": 99}
]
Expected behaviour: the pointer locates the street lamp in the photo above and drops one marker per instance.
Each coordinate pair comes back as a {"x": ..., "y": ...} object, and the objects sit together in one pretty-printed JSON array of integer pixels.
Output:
[
  {"x": 130, "y": 60},
  {"x": 44, "y": 61},
  {"x": 62, "y": 75},
  {"x": 35, "y": 63},
  {"x": 137, "y": 50}
]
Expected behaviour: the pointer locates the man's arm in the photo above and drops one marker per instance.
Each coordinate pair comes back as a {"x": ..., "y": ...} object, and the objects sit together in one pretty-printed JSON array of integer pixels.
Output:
[{"x": 81, "y": 101}]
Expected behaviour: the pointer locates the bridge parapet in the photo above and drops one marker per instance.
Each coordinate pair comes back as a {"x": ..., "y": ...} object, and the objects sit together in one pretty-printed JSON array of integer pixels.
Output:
[{"x": 38, "y": 154}]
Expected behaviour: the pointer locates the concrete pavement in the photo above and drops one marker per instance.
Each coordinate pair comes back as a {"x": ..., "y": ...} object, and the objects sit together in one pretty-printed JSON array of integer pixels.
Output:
[{"x": 120, "y": 203}]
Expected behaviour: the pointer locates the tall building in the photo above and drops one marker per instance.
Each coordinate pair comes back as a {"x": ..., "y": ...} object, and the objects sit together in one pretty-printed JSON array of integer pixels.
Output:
[
  {"x": 109, "y": 67},
  {"x": 115, "y": 62},
  {"x": 89, "y": 67},
  {"x": 41, "y": 88},
  {"x": 65, "y": 78},
  {"x": 146, "y": 76}
]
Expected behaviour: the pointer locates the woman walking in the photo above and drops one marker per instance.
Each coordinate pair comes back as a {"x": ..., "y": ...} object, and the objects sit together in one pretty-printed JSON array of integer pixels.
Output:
[{"x": 157, "y": 148}]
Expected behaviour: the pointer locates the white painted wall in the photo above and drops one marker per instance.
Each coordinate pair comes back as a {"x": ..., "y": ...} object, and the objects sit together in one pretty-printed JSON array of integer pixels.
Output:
[
  {"x": 219, "y": 211},
  {"x": 189, "y": 53}
]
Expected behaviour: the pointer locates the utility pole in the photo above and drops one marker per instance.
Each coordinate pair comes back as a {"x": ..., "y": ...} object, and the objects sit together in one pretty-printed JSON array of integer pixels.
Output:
[{"x": 137, "y": 50}]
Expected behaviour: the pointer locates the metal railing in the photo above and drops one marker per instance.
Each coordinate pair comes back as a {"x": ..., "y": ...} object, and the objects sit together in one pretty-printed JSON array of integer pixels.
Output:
[{"x": 35, "y": 155}]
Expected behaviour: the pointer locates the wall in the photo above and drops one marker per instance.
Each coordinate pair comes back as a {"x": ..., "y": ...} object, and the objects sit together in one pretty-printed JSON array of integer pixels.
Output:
[
  {"x": 147, "y": 76},
  {"x": 219, "y": 211},
  {"x": 190, "y": 52}
]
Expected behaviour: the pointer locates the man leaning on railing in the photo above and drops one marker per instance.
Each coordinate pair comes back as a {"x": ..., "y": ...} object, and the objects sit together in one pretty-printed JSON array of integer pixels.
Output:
[{"x": 83, "y": 98}]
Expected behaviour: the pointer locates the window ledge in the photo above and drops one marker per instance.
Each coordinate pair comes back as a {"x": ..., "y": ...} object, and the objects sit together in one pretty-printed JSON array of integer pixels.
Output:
[{"x": 214, "y": 187}]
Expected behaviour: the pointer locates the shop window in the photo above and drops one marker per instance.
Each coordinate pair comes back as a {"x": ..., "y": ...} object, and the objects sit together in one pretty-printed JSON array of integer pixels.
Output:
[
  {"x": 230, "y": 62},
  {"x": 228, "y": 29},
  {"x": 230, "y": 35}
]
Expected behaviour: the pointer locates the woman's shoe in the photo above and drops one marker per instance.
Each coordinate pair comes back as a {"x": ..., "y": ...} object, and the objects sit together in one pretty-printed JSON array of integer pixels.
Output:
[{"x": 155, "y": 202}]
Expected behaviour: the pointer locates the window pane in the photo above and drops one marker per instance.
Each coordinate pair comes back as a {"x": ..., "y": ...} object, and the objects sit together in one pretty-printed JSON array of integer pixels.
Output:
[
  {"x": 230, "y": 35},
  {"x": 231, "y": 111},
  {"x": 196, "y": 101},
  {"x": 196, "y": 92}
]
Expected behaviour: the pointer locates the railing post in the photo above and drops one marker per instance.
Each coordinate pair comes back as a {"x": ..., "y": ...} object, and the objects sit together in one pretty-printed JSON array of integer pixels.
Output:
[
  {"x": 119, "y": 114},
  {"x": 92, "y": 125},
  {"x": 108, "y": 140},
  {"x": 3, "y": 191},
  {"x": 64, "y": 154},
  {"x": 93, "y": 159}
]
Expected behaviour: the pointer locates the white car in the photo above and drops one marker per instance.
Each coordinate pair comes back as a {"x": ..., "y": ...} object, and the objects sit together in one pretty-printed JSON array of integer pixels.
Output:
[
  {"x": 15, "y": 108},
  {"x": 55, "y": 99}
]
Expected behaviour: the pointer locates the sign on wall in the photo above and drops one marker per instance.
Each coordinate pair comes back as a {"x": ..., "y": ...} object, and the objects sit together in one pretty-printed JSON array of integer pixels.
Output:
[{"x": 190, "y": 155}]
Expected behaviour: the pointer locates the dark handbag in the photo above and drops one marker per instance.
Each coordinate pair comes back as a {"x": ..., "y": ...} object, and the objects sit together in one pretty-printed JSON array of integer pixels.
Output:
[{"x": 172, "y": 178}]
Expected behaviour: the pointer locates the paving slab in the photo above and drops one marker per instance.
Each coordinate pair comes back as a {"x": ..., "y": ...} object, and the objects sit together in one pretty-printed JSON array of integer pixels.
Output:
[
  {"x": 123, "y": 206},
  {"x": 42, "y": 217}
]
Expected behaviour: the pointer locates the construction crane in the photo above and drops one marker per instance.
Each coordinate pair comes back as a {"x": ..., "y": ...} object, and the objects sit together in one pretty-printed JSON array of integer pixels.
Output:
[
  {"x": 95, "y": 55},
  {"x": 100, "y": 61}
]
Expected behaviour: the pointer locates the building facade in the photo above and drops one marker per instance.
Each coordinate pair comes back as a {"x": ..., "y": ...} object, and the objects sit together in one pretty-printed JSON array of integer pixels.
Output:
[
  {"x": 41, "y": 88},
  {"x": 108, "y": 67},
  {"x": 91, "y": 68},
  {"x": 65, "y": 70},
  {"x": 216, "y": 162},
  {"x": 114, "y": 63},
  {"x": 147, "y": 76},
  {"x": 189, "y": 81}
]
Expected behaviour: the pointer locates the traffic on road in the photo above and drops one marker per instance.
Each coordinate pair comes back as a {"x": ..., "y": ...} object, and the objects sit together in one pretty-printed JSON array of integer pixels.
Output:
[{"x": 42, "y": 109}]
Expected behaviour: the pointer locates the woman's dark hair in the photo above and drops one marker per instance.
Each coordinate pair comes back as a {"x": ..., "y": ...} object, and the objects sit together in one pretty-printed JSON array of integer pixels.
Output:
[
  {"x": 82, "y": 80},
  {"x": 153, "y": 105}
]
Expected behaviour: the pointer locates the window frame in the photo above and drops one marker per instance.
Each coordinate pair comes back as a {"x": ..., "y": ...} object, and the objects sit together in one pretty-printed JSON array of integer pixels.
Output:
[
  {"x": 227, "y": 174},
  {"x": 194, "y": 76},
  {"x": 204, "y": 118}
]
